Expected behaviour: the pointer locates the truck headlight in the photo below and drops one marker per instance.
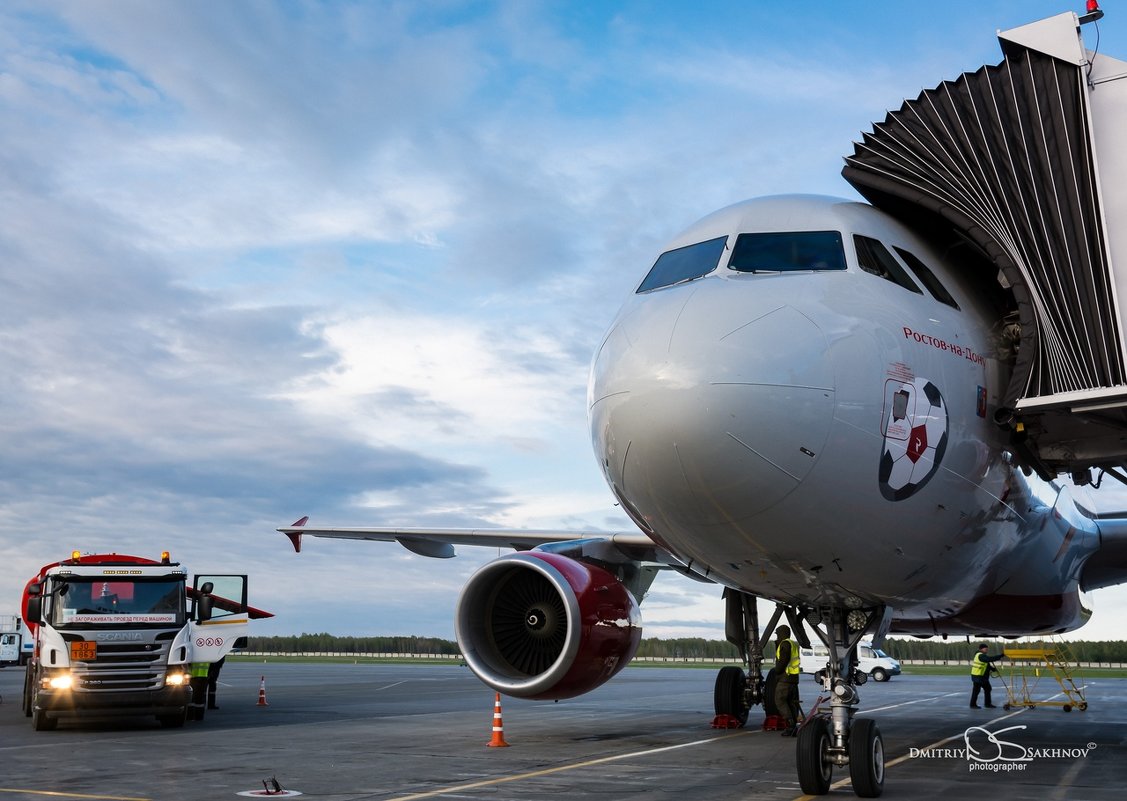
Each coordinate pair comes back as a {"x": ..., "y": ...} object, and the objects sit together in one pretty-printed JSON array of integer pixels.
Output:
[
  {"x": 176, "y": 679},
  {"x": 62, "y": 681}
]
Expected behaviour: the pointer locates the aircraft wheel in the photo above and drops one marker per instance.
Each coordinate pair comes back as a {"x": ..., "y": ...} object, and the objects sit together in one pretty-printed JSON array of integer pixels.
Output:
[
  {"x": 866, "y": 758},
  {"x": 769, "y": 683},
  {"x": 812, "y": 757},
  {"x": 728, "y": 698},
  {"x": 1083, "y": 706},
  {"x": 1068, "y": 707}
]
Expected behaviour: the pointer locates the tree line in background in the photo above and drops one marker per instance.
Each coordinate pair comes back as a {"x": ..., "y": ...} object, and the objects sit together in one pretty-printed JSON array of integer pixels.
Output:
[
  {"x": 318, "y": 643},
  {"x": 679, "y": 648}
]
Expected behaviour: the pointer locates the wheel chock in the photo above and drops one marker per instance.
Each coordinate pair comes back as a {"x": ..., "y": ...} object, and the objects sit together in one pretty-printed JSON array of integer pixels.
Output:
[{"x": 726, "y": 722}]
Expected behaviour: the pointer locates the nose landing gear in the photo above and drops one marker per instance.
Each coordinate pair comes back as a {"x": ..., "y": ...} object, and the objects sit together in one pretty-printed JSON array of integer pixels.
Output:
[{"x": 837, "y": 738}]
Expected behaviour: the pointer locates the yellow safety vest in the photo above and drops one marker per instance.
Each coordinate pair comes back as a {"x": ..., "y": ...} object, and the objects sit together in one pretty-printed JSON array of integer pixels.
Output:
[
  {"x": 977, "y": 666},
  {"x": 794, "y": 667},
  {"x": 199, "y": 670}
]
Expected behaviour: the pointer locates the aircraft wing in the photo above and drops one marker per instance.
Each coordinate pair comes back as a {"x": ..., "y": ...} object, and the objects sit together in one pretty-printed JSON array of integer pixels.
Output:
[{"x": 439, "y": 542}]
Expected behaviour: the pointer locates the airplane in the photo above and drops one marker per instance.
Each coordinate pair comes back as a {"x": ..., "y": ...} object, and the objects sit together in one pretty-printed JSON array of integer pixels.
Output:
[{"x": 809, "y": 400}]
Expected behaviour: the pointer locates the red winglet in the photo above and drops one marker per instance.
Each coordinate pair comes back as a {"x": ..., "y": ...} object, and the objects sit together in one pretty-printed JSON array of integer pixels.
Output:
[{"x": 295, "y": 536}]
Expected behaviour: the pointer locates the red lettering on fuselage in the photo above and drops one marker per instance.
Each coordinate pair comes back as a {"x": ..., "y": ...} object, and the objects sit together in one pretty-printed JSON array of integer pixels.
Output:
[{"x": 959, "y": 351}]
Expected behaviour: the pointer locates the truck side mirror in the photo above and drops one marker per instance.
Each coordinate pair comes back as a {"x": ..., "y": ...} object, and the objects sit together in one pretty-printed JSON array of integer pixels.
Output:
[
  {"x": 34, "y": 609},
  {"x": 205, "y": 604}
]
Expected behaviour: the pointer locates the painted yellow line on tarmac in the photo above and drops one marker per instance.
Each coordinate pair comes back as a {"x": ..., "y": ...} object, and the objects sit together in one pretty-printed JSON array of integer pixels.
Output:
[
  {"x": 561, "y": 768},
  {"x": 53, "y": 794}
]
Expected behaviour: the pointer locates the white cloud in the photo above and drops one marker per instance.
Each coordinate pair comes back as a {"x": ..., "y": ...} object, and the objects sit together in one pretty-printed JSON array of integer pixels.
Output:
[{"x": 445, "y": 381}]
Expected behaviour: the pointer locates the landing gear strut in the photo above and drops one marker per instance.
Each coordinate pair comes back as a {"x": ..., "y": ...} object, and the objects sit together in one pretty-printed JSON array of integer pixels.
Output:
[
  {"x": 837, "y": 738},
  {"x": 737, "y": 691}
]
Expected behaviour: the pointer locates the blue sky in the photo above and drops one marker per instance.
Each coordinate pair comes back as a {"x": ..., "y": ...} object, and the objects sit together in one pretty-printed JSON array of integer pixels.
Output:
[{"x": 349, "y": 260}]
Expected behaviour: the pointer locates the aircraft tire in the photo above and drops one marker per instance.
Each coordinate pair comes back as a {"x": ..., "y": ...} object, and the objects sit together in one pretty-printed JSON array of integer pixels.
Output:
[
  {"x": 866, "y": 758},
  {"x": 769, "y": 683},
  {"x": 728, "y": 697},
  {"x": 811, "y": 757}
]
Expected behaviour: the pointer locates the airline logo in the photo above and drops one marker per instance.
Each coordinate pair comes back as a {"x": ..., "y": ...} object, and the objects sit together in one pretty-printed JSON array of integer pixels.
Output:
[{"x": 915, "y": 436}]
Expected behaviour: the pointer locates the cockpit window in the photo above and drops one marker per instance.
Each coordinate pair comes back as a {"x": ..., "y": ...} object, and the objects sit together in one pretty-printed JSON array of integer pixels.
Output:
[
  {"x": 873, "y": 257},
  {"x": 927, "y": 278},
  {"x": 684, "y": 264},
  {"x": 788, "y": 252}
]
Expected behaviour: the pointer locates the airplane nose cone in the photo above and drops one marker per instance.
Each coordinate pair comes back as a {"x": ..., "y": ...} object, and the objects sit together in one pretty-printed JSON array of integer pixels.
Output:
[{"x": 708, "y": 410}]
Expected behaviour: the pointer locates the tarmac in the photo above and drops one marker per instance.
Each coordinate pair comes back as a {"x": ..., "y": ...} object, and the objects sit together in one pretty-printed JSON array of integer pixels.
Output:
[{"x": 346, "y": 732}]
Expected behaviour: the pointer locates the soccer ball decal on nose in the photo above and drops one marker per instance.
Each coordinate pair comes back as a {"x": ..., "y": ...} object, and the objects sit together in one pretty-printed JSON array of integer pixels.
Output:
[{"x": 915, "y": 437}]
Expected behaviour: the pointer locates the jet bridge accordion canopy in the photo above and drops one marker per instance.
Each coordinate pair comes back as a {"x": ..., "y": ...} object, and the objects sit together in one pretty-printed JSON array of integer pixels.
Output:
[{"x": 1026, "y": 160}]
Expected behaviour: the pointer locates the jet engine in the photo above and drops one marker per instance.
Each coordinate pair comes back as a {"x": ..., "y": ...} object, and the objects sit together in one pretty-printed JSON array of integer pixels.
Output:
[{"x": 545, "y": 626}]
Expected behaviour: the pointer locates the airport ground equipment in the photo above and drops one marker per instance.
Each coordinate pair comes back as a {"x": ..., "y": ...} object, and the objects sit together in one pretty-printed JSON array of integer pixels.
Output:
[
  {"x": 1030, "y": 665},
  {"x": 1025, "y": 160},
  {"x": 116, "y": 635},
  {"x": 15, "y": 642}
]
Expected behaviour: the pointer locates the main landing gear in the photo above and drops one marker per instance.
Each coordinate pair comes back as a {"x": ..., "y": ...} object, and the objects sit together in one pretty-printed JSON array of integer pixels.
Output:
[{"x": 825, "y": 739}]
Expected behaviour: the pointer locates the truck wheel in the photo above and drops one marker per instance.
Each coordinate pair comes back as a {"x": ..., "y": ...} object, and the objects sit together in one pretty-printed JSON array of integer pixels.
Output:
[
  {"x": 173, "y": 721},
  {"x": 40, "y": 721},
  {"x": 880, "y": 674},
  {"x": 28, "y": 683}
]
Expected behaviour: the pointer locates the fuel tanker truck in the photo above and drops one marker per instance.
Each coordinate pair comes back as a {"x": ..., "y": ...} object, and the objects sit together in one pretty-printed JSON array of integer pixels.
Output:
[{"x": 117, "y": 635}]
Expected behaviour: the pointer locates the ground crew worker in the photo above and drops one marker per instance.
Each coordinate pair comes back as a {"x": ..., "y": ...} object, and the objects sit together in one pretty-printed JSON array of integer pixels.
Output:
[
  {"x": 198, "y": 683},
  {"x": 980, "y": 669},
  {"x": 787, "y": 670},
  {"x": 213, "y": 682}
]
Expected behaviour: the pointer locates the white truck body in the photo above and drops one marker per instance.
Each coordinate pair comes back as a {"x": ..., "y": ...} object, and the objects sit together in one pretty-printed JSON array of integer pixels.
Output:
[
  {"x": 872, "y": 661},
  {"x": 116, "y": 635},
  {"x": 15, "y": 641}
]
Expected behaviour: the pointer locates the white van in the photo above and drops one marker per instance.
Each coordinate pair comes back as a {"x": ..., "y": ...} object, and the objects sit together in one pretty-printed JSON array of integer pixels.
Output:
[{"x": 879, "y": 665}]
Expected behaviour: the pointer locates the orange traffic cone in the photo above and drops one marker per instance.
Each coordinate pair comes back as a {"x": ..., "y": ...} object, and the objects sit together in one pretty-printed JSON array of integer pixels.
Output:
[
  {"x": 498, "y": 740},
  {"x": 262, "y": 692}
]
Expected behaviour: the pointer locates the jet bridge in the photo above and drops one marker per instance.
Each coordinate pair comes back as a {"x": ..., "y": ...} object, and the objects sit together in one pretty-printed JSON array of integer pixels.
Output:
[{"x": 1026, "y": 162}]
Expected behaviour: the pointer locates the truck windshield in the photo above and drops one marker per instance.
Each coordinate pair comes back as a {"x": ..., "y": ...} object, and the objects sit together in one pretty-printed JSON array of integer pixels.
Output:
[{"x": 100, "y": 602}]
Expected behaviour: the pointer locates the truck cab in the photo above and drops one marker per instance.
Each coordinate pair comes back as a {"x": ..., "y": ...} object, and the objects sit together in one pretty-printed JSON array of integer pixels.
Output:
[{"x": 116, "y": 635}]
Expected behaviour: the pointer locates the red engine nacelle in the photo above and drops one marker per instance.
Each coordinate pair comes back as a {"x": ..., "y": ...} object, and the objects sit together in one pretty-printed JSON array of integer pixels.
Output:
[{"x": 540, "y": 625}]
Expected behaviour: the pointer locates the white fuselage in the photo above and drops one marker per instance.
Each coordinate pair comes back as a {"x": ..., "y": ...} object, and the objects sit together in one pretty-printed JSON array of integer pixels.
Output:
[{"x": 742, "y": 417}]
